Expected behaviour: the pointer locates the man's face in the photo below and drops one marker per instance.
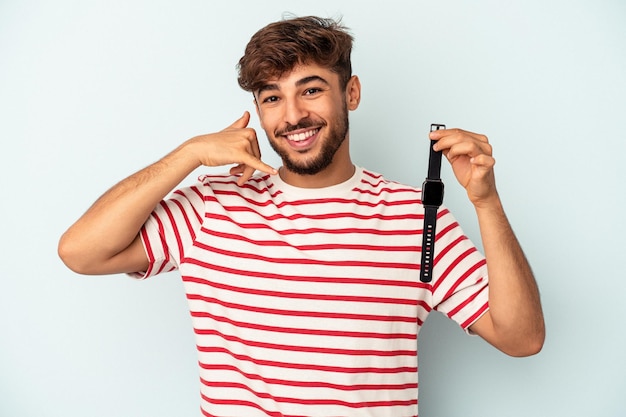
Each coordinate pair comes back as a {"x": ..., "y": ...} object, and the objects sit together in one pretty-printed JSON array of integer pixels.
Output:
[{"x": 305, "y": 117}]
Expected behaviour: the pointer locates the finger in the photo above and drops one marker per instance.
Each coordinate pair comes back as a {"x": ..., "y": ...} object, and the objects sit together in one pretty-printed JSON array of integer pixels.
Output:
[
  {"x": 254, "y": 146},
  {"x": 252, "y": 162},
  {"x": 446, "y": 138},
  {"x": 470, "y": 149},
  {"x": 246, "y": 175},
  {"x": 438, "y": 134},
  {"x": 240, "y": 123},
  {"x": 237, "y": 169},
  {"x": 245, "y": 172}
]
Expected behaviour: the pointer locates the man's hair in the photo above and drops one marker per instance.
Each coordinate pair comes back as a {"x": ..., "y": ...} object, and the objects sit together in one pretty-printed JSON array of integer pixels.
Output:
[{"x": 281, "y": 46}]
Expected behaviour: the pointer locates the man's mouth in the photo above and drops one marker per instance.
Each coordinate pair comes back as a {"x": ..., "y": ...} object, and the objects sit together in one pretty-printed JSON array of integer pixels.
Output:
[
  {"x": 302, "y": 139},
  {"x": 301, "y": 136}
]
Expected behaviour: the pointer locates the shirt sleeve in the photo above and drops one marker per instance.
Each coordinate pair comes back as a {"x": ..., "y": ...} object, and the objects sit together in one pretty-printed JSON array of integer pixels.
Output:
[
  {"x": 460, "y": 286},
  {"x": 171, "y": 229}
]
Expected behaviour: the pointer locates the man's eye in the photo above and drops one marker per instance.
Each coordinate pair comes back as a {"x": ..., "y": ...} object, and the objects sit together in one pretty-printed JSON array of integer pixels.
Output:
[
  {"x": 313, "y": 90},
  {"x": 270, "y": 99}
]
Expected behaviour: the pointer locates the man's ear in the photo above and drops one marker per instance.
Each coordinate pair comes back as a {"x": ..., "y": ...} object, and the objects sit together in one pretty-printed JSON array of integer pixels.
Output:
[{"x": 353, "y": 93}]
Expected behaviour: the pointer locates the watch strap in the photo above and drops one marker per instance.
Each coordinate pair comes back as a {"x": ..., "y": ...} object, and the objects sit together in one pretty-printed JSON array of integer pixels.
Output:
[
  {"x": 428, "y": 243},
  {"x": 434, "y": 163},
  {"x": 430, "y": 213}
]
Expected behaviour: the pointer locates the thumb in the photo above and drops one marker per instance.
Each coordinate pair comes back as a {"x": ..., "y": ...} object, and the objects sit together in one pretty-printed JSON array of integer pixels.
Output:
[{"x": 242, "y": 122}]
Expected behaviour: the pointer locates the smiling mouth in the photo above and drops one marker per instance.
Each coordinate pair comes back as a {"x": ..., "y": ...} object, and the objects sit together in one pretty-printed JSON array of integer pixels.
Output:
[
  {"x": 302, "y": 136},
  {"x": 302, "y": 139}
]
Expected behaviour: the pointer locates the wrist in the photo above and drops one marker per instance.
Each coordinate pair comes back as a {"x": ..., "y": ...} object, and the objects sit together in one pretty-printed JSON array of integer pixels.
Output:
[
  {"x": 489, "y": 204},
  {"x": 186, "y": 155}
]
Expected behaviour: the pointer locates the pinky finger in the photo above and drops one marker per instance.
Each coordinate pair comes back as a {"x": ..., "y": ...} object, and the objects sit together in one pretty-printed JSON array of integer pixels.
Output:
[{"x": 237, "y": 169}]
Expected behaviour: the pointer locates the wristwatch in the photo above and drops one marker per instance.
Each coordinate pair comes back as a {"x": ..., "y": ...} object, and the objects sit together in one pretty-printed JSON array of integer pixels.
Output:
[{"x": 432, "y": 197}]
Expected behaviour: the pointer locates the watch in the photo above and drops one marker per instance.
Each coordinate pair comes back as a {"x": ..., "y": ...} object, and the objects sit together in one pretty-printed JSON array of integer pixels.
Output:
[{"x": 432, "y": 198}]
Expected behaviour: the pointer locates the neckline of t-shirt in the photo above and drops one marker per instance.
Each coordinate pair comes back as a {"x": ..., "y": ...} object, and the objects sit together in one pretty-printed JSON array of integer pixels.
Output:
[{"x": 331, "y": 191}]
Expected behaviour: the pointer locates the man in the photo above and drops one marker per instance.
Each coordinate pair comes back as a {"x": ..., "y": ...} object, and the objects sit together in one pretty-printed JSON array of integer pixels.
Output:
[{"x": 303, "y": 282}]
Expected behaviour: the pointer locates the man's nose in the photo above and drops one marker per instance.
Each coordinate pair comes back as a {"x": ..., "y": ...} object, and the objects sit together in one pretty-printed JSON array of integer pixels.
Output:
[{"x": 294, "y": 112}]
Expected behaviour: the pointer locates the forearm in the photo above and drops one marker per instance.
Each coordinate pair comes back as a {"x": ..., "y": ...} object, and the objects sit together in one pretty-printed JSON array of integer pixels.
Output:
[
  {"x": 515, "y": 307},
  {"x": 112, "y": 223},
  {"x": 105, "y": 239}
]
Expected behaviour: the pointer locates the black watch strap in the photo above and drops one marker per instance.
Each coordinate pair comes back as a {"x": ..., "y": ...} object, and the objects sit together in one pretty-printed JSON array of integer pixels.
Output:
[
  {"x": 430, "y": 210},
  {"x": 428, "y": 243}
]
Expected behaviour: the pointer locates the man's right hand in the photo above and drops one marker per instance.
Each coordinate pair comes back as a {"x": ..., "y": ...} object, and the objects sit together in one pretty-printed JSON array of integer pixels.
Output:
[{"x": 237, "y": 144}]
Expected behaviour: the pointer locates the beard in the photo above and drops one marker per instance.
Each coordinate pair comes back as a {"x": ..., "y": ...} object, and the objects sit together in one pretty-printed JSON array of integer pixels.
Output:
[{"x": 316, "y": 163}]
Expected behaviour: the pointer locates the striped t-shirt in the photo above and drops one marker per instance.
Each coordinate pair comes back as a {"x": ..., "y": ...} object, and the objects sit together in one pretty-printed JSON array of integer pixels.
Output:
[{"x": 307, "y": 302}]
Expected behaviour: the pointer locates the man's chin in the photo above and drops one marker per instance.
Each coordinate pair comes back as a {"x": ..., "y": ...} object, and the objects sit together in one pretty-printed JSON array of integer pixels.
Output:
[{"x": 304, "y": 169}]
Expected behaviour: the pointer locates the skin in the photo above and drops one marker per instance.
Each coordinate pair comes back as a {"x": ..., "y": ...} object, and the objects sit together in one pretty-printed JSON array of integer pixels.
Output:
[{"x": 310, "y": 105}]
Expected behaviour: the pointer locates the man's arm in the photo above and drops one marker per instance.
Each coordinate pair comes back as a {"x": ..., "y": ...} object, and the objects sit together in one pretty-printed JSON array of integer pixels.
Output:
[
  {"x": 105, "y": 240},
  {"x": 514, "y": 323}
]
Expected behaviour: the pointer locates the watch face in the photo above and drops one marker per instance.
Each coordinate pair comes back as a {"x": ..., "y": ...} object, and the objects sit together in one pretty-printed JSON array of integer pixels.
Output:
[{"x": 432, "y": 193}]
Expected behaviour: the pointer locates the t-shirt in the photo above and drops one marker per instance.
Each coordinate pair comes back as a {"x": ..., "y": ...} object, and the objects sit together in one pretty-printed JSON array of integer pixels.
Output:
[{"x": 307, "y": 302}]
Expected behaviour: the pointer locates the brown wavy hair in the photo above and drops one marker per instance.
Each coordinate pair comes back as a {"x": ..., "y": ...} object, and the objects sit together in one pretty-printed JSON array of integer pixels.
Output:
[{"x": 279, "y": 47}]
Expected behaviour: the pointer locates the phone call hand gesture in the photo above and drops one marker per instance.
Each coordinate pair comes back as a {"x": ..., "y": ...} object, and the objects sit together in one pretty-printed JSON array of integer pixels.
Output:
[
  {"x": 471, "y": 158},
  {"x": 236, "y": 144}
]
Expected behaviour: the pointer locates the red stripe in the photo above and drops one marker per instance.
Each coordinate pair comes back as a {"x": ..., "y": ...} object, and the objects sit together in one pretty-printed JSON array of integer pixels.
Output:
[
  {"x": 313, "y": 296},
  {"x": 376, "y": 232},
  {"x": 296, "y": 330},
  {"x": 310, "y": 367},
  {"x": 307, "y": 202},
  {"x": 183, "y": 213},
  {"x": 294, "y": 348},
  {"x": 229, "y": 180},
  {"x": 197, "y": 192},
  {"x": 452, "y": 265},
  {"x": 149, "y": 252},
  {"x": 240, "y": 403},
  {"x": 474, "y": 316},
  {"x": 307, "y": 261},
  {"x": 372, "y": 175},
  {"x": 441, "y": 253},
  {"x": 297, "y": 313},
  {"x": 325, "y": 216},
  {"x": 301, "y": 401},
  {"x": 458, "y": 308},
  {"x": 308, "y": 384},
  {"x": 465, "y": 275},
  {"x": 327, "y": 246},
  {"x": 307, "y": 278},
  {"x": 165, "y": 251},
  {"x": 179, "y": 241},
  {"x": 377, "y": 192}
]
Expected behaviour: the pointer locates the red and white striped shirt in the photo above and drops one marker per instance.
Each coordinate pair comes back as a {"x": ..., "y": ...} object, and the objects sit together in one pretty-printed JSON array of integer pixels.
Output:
[{"x": 307, "y": 302}]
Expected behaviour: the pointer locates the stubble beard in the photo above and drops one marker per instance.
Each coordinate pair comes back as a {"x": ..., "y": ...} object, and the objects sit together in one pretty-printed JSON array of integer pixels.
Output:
[{"x": 317, "y": 163}]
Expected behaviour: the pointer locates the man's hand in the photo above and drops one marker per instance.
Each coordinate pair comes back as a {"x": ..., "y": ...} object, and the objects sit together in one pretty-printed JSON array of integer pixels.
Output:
[
  {"x": 470, "y": 156},
  {"x": 514, "y": 322},
  {"x": 237, "y": 144}
]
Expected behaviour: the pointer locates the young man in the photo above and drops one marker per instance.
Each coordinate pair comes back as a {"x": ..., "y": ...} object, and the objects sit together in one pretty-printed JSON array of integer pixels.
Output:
[{"x": 303, "y": 282}]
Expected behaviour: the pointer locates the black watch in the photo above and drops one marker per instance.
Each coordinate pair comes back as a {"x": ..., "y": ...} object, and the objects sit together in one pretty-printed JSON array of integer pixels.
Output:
[{"x": 432, "y": 198}]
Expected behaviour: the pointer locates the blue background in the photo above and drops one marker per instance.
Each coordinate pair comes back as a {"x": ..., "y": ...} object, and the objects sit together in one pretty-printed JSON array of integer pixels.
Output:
[{"x": 91, "y": 91}]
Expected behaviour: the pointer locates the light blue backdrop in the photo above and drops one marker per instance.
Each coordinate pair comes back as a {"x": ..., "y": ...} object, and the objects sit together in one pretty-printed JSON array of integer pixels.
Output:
[{"x": 91, "y": 91}]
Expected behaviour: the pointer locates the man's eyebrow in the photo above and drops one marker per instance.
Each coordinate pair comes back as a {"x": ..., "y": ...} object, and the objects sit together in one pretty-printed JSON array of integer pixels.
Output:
[
  {"x": 267, "y": 87},
  {"x": 311, "y": 78},
  {"x": 299, "y": 83}
]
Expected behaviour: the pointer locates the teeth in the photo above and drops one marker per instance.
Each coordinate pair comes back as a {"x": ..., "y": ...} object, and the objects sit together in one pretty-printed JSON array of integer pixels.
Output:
[{"x": 299, "y": 137}]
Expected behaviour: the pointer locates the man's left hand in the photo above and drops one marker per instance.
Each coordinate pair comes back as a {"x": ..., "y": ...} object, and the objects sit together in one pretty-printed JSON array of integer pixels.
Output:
[{"x": 471, "y": 157}]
